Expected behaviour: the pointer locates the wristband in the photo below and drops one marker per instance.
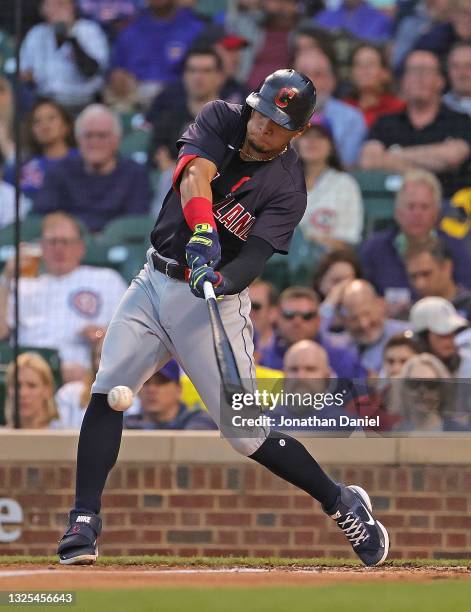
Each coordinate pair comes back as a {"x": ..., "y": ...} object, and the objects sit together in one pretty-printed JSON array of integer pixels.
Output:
[{"x": 199, "y": 210}]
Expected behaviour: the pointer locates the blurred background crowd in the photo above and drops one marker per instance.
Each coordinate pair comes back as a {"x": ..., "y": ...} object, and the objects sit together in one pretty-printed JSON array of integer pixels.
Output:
[{"x": 377, "y": 285}]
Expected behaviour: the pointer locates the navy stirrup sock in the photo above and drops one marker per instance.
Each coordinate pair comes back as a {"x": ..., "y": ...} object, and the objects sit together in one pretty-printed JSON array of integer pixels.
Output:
[
  {"x": 98, "y": 448},
  {"x": 288, "y": 459}
]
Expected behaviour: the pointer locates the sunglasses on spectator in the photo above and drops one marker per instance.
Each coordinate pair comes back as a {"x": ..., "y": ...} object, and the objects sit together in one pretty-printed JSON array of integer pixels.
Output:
[
  {"x": 415, "y": 384},
  {"x": 305, "y": 316}
]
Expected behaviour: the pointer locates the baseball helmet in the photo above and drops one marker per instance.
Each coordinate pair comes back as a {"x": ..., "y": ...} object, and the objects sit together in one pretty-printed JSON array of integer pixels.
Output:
[{"x": 287, "y": 97}]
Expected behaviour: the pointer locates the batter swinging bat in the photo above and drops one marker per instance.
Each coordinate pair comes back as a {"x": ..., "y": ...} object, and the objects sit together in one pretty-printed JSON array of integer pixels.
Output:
[{"x": 227, "y": 365}]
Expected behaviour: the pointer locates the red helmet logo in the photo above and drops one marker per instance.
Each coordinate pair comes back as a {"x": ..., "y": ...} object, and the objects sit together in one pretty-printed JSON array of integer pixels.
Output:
[{"x": 283, "y": 97}]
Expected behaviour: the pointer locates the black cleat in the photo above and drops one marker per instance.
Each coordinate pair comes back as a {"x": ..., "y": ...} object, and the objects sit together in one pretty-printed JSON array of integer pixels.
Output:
[
  {"x": 78, "y": 545},
  {"x": 353, "y": 514}
]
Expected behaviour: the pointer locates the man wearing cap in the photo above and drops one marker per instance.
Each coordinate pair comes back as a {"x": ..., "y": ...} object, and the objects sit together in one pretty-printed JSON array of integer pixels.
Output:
[
  {"x": 238, "y": 194},
  {"x": 438, "y": 327},
  {"x": 161, "y": 405}
]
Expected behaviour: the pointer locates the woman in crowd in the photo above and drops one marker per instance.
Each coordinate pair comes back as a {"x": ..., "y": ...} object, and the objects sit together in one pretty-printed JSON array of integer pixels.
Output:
[
  {"x": 334, "y": 213},
  {"x": 423, "y": 396},
  {"x": 371, "y": 80},
  {"x": 37, "y": 407},
  {"x": 334, "y": 271},
  {"x": 49, "y": 133}
]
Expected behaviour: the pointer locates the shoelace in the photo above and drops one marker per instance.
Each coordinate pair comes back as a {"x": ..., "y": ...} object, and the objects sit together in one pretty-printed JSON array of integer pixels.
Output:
[{"x": 353, "y": 528}]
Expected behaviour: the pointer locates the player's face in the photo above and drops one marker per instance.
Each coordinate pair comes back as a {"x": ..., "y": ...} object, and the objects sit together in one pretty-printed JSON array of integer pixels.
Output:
[
  {"x": 394, "y": 358},
  {"x": 266, "y": 136},
  {"x": 427, "y": 275},
  {"x": 416, "y": 211},
  {"x": 299, "y": 319},
  {"x": 62, "y": 248},
  {"x": 33, "y": 394}
]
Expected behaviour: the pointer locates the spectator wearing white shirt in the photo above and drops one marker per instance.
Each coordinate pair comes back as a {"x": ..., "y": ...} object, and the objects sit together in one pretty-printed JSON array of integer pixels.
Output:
[
  {"x": 7, "y": 201},
  {"x": 64, "y": 57},
  {"x": 334, "y": 213},
  {"x": 68, "y": 306},
  {"x": 72, "y": 398}
]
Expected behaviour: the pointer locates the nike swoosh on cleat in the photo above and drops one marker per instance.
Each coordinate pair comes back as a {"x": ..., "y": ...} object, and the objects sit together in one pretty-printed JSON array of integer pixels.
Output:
[{"x": 371, "y": 521}]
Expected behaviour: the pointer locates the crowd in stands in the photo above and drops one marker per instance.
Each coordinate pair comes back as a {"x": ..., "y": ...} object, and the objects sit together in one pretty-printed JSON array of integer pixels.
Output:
[{"x": 105, "y": 89}]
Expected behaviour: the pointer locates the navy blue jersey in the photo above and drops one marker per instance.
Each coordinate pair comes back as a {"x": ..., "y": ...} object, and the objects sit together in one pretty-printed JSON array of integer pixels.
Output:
[{"x": 263, "y": 199}]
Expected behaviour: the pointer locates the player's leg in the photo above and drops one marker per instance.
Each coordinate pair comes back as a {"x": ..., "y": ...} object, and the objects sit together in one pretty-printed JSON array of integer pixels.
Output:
[
  {"x": 192, "y": 339},
  {"x": 135, "y": 346},
  {"x": 281, "y": 454}
]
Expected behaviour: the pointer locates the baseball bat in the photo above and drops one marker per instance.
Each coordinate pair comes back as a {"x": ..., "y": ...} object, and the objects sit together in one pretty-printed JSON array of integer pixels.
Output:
[{"x": 230, "y": 376}]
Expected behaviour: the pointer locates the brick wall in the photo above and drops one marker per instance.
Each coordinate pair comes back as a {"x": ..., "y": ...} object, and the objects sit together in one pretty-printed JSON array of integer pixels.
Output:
[{"x": 237, "y": 508}]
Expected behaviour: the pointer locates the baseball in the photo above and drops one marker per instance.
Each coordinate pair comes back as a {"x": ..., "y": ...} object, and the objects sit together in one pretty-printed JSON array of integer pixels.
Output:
[{"x": 120, "y": 398}]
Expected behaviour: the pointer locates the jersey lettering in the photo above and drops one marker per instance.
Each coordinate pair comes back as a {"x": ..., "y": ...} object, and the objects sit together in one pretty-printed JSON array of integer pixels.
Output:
[
  {"x": 231, "y": 215},
  {"x": 242, "y": 225}
]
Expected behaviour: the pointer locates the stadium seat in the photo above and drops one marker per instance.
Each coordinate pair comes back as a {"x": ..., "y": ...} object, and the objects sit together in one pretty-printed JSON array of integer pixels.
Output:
[
  {"x": 49, "y": 354},
  {"x": 128, "y": 229},
  {"x": 378, "y": 189},
  {"x": 304, "y": 255},
  {"x": 30, "y": 229}
]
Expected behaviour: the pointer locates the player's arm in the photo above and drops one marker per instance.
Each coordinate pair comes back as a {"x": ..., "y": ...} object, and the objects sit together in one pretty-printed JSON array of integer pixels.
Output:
[
  {"x": 196, "y": 197},
  {"x": 235, "y": 276},
  {"x": 246, "y": 267}
]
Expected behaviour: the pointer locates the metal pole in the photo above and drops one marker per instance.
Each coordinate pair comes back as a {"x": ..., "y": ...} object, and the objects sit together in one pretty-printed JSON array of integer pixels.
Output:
[{"x": 17, "y": 131}]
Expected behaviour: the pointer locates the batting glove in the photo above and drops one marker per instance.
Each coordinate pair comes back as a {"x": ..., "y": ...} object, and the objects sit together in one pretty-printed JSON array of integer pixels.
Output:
[
  {"x": 199, "y": 275},
  {"x": 203, "y": 247}
]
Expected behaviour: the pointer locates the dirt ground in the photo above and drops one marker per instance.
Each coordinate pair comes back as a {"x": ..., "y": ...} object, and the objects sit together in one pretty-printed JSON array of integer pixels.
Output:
[{"x": 56, "y": 577}]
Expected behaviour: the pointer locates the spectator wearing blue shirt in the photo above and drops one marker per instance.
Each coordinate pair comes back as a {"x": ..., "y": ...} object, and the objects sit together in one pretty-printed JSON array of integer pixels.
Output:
[
  {"x": 359, "y": 19},
  {"x": 417, "y": 210},
  {"x": 50, "y": 134},
  {"x": 148, "y": 53},
  {"x": 112, "y": 15},
  {"x": 299, "y": 320},
  {"x": 98, "y": 185},
  {"x": 161, "y": 406},
  {"x": 348, "y": 124}
]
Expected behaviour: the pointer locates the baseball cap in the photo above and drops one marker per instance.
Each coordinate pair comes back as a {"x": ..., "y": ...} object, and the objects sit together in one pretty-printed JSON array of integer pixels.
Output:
[
  {"x": 437, "y": 315},
  {"x": 231, "y": 42},
  {"x": 171, "y": 370}
]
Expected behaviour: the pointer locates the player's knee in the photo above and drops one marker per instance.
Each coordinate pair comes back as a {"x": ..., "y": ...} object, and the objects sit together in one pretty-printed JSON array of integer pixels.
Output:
[{"x": 246, "y": 446}]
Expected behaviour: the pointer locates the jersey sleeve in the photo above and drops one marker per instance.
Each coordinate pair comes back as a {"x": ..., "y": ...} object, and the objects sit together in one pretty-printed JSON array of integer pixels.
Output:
[
  {"x": 278, "y": 220},
  {"x": 208, "y": 136}
]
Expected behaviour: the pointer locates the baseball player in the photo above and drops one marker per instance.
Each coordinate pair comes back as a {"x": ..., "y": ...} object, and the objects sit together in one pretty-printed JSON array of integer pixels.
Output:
[{"x": 238, "y": 194}]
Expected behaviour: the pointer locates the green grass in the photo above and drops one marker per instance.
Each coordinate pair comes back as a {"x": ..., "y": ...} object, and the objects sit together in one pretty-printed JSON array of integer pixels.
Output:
[
  {"x": 265, "y": 562},
  {"x": 440, "y": 596}
]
